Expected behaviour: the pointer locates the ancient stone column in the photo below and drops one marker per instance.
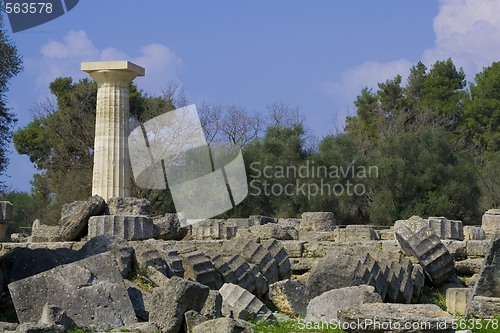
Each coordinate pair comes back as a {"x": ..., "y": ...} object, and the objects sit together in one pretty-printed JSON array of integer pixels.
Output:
[{"x": 111, "y": 175}]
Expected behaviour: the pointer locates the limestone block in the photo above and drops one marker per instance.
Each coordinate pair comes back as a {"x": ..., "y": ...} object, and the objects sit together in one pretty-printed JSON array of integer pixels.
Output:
[
  {"x": 75, "y": 225},
  {"x": 235, "y": 270},
  {"x": 170, "y": 227},
  {"x": 316, "y": 236},
  {"x": 147, "y": 255},
  {"x": 469, "y": 266},
  {"x": 294, "y": 249},
  {"x": 198, "y": 267},
  {"x": 140, "y": 298},
  {"x": 491, "y": 221},
  {"x": 5, "y": 211},
  {"x": 274, "y": 231},
  {"x": 170, "y": 302},
  {"x": 212, "y": 229},
  {"x": 290, "y": 222},
  {"x": 245, "y": 223},
  {"x": 416, "y": 238},
  {"x": 374, "y": 314},
  {"x": 334, "y": 272},
  {"x": 488, "y": 284},
  {"x": 128, "y": 206},
  {"x": 303, "y": 264},
  {"x": 324, "y": 308},
  {"x": 256, "y": 254},
  {"x": 317, "y": 221},
  {"x": 446, "y": 229},
  {"x": 456, "y": 300},
  {"x": 279, "y": 254},
  {"x": 44, "y": 233},
  {"x": 223, "y": 325},
  {"x": 457, "y": 249},
  {"x": 239, "y": 304},
  {"x": 91, "y": 291},
  {"x": 477, "y": 248},
  {"x": 354, "y": 234},
  {"x": 126, "y": 227},
  {"x": 474, "y": 233},
  {"x": 289, "y": 297},
  {"x": 483, "y": 307},
  {"x": 260, "y": 220}
]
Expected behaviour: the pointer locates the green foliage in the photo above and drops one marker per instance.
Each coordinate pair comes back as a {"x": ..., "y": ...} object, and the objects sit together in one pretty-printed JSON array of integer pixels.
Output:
[
  {"x": 25, "y": 209},
  {"x": 438, "y": 299},
  {"x": 482, "y": 108},
  {"x": 10, "y": 66}
]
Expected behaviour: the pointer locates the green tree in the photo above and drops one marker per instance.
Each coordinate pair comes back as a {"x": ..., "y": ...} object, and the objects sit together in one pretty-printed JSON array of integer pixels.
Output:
[
  {"x": 10, "y": 66},
  {"x": 482, "y": 108}
]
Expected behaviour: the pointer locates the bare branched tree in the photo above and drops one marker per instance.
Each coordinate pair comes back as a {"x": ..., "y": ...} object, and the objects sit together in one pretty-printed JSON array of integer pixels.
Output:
[{"x": 281, "y": 114}]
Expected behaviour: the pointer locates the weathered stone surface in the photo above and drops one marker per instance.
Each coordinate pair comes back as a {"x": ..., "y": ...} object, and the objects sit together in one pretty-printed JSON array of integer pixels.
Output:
[
  {"x": 274, "y": 231},
  {"x": 91, "y": 291},
  {"x": 416, "y": 238},
  {"x": 256, "y": 254},
  {"x": 279, "y": 255},
  {"x": 212, "y": 229},
  {"x": 488, "y": 283},
  {"x": 171, "y": 301},
  {"x": 289, "y": 297},
  {"x": 235, "y": 270},
  {"x": 457, "y": 249},
  {"x": 240, "y": 304},
  {"x": 199, "y": 267},
  {"x": 52, "y": 314},
  {"x": 491, "y": 221},
  {"x": 44, "y": 233},
  {"x": 290, "y": 222},
  {"x": 5, "y": 327},
  {"x": 22, "y": 262},
  {"x": 120, "y": 248},
  {"x": 324, "y": 308},
  {"x": 192, "y": 318},
  {"x": 127, "y": 206},
  {"x": 5, "y": 211},
  {"x": 75, "y": 226},
  {"x": 335, "y": 272},
  {"x": 485, "y": 301},
  {"x": 446, "y": 229},
  {"x": 125, "y": 227},
  {"x": 387, "y": 317},
  {"x": 354, "y": 234},
  {"x": 260, "y": 220},
  {"x": 138, "y": 327},
  {"x": 294, "y": 249},
  {"x": 146, "y": 254},
  {"x": 316, "y": 236},
  {"x": 473, "y": 233},
  {"x": 223, "y": 325},
  {"x": 169, "y": 227},
  {"x": 140, "y": 299},
  {"x": 213, "y": 305},
  {"x": 468, "y": 266},
  {"x": 40, "y": 328},
  {"x": 483, "y": 307},
  {"x": 477, "y": 248},
  {"x": 317, "y": 221},
  {"x": 456, "y": 300}
]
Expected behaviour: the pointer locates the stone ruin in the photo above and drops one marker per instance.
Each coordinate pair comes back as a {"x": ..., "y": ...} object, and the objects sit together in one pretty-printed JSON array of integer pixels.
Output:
[
  {"x": 170, "y": 276},
  {"x": 111, "y": 266}
]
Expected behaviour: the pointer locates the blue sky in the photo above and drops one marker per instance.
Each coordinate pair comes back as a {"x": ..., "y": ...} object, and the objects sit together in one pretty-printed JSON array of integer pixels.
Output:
[{"x": 314, "y": 54}]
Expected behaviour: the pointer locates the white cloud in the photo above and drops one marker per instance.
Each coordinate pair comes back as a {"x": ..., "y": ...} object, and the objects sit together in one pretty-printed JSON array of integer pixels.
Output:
[
  {"x": 368, "y": 74},
  {"x": 63, "y": 58},
  {"x": 468, "y": 31}
]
